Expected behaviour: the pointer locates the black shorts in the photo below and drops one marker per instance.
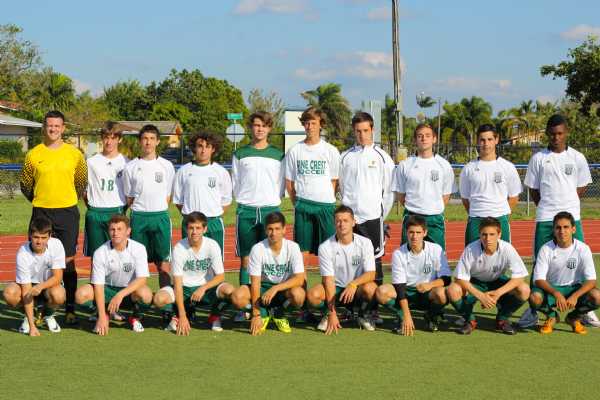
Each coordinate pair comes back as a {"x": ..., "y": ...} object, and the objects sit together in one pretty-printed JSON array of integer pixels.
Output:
[
  {"x": 373, "y": 230},
  {"x": 65, "y": 225}
]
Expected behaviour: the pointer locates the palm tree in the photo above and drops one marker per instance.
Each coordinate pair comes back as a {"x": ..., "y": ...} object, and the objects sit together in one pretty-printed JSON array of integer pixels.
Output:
[{"x": 328, "y": 97}]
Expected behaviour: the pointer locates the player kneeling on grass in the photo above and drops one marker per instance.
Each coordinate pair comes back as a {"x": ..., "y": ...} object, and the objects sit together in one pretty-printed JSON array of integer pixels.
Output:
[
  {"x": 276, "y": 273},
  {"x": 564, "y": 277},
  {"x": 198, "y": 278},
  {"x": 419, "y": 273},
  {"x": 118, "y": 278},
  {"x": 481, "y": 275},
  {"x": 347, "y": 264},
  {"x": 40, "y": 265}
]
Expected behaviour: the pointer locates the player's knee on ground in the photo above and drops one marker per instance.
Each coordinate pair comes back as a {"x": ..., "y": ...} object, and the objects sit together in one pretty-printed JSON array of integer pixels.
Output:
[
  {"x": 162, "y": 298},
  {"x": 536, "y": 298},
  {"x": 143, "y": 294},
  {"x": 522, "y": 291},
  {"x": 594, "y": 295},
  {"x": 225, "y": 290},
  {"x": 385, "y": 293},
  {"x": 315, "y": 295},
  {"x": 240, "y": 297},
  {"x": 438, "y": 295},
  {"x": 12, "y": 294},
  {"x": 454, "y": 292},
  {"x": 296, "y": 295},
  {"x": 367, "y": 291},
  {"x": 84, "y": 294},
  {"x": 57, "y": 295}
]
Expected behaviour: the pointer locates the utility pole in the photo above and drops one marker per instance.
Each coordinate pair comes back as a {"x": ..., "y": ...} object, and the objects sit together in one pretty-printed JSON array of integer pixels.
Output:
[{"x": 401, "y": 153}]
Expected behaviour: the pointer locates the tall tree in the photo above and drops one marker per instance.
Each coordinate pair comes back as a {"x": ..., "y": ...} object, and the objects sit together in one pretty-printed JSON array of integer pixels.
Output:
[
  {"x": 258, "y": 100},
  {"x": 17, "y": 57},
  {"x": 328, "y": 97},
  {"x": 128, "y": 101}
]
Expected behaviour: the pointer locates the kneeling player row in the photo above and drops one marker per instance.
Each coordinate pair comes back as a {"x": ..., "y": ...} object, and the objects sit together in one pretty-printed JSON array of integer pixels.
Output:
[{"x": 564, "y": 278}]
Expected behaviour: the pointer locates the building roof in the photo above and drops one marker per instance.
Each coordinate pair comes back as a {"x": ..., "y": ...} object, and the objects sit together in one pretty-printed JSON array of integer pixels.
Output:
[
  {"x": 6, "y": 119},
  {"x": 9, "y": 105},
  {"x": 165, "y": 127}
]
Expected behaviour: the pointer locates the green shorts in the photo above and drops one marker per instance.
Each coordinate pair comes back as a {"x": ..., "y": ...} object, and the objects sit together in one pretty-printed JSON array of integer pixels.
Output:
[
  {"x": 210, "y": 296},
  {"x": 436, "y": 228},
  {"x": 111, "y": 291},
  {"x": 250, "y": 227},
  {"x": 215, "y": 230},
  {"x": 313, "y": 224},
  {"x": 96, "y": 228},
  {"x": 279, "y": 298},
  {"x": 472, "y": 230},
  {"x": 544, "y": 232},
  {"x": 417, "y": 300},
  {"x": 548, "y": 305},
  {"x": 153, "y": 230}
]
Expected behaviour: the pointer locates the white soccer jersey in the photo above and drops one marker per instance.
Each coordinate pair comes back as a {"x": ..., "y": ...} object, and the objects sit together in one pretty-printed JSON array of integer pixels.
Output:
[
  {"x": 149, "y": 182},
  {"x": 562, "y": 267},
  {"x": 37, "y": 268},
  {"x": 105, "y": 181},
  {"x": 275, "y": 268},
  {"x": 488, "y": 185},
  {"x": 346, "y": 262},
  {"x": 424, "y": 182},
  {"x": 258, "y": 176},
  {"x": 203, "y": 188},
  {"x": 557, "y": 176},
  {"x": 197, "y": 268},
  {"x": 312, "y": 168},
  {"x": 474, "y": 263},
  {"x": 365, "y": 182},
  {"x": 427, "y": 266},
  {"x": 119, "y": 268}
]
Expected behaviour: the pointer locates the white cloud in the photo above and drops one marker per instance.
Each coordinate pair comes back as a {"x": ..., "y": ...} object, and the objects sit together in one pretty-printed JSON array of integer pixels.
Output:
[
  {"x": 380, "y": 14},
  {"x": 314, "y": 75},
  {"x": 581, "y": 32},
  {"x": 493, "y": 86},
  {"x": 81, "y": 87},
  {"x": 245, "y": 7}
]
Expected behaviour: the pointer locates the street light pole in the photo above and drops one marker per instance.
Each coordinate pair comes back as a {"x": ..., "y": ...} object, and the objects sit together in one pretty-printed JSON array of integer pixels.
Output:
[{"x": 401, "y": 150}]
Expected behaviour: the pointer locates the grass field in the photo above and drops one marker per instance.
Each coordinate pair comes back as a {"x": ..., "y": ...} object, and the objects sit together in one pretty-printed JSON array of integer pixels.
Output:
[
  {"x": 15, "y": 213},
  {"x": 303, "y": 365}
]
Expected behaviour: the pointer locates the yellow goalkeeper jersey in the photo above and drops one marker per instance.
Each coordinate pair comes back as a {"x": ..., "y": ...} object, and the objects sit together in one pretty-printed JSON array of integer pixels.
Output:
[{"x": 53, "y": 178}]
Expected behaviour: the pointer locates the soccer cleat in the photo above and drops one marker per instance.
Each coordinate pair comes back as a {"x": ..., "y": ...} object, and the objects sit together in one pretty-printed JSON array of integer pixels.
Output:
[
  {"x": 591, "y": 319},
  {"x": 265, "y": 323},
  {"x": 375, "y": 318},
  {"x": 577, "y": 326},
  {"x": 51, "y": 323},
  {"x": 24, "y": 327},
  {"x": 241, "y": 316},
  {"x": 468, "y": 327},
  {"x": 504, "y": 326},
  {"x": 548, "y": 326},
  {"x": 117, "y": 316},
  {"x": 433, "y": 322},
  {"x": 283, "y": 325},
  {"x": 365, "y": 323},
  {"x": 166, "y": 318},
  {"x": 215, "y": 323},
  {"x": 136, "y": 325},
  {"x": 305, "y": 317},
  {"x": 397, "y": 328},
  {"x": 323, "y": 324},
  {"x": 173, "y": 324},
  {"x": 529, "y": 319},
  {"x": 70, "y": 318},
  {"x": 39, "y": 318}
]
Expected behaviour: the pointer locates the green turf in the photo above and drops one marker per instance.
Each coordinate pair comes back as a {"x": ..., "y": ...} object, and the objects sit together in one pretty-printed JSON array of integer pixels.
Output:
[
  {"x": 303, "y": 365},
  {"x": 15, "y": 213}
]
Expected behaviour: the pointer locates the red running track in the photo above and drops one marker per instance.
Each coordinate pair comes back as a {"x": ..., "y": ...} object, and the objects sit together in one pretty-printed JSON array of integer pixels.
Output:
[{"x": 522, "y": 238}]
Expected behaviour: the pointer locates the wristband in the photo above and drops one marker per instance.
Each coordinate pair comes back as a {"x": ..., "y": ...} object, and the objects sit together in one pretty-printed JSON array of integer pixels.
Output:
[{"x": 353, "y": 285}]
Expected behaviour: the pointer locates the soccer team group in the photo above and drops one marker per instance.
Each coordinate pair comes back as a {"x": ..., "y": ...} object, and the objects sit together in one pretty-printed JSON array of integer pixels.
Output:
[{"x": 347, "y": 237}]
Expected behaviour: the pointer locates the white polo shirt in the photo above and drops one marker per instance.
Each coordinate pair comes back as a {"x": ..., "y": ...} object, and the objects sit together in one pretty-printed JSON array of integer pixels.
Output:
[
  {"x": 427, "y": 266},
  {"x": 149, "y": 182},
  {"x": 488, "y": 185},
  {"x": 424, "y": 182},
  {"x": 312, "y": 168},
  {"x": 275, "y": 268},
  {"x": 197, "y": 268},
  {"x": 346, "y": 262},
  {"x": 474, "y": 263},
  {"x": 557, "y": 176},
  {"x": 203, "y": 188},
  {"x": 37, "y": 268},
  {"x": 562, "y": 267},
  {"x": 119, "y": 268},
  {"x": 105, "y": 181},
  {"x": 258, "y": 176}
]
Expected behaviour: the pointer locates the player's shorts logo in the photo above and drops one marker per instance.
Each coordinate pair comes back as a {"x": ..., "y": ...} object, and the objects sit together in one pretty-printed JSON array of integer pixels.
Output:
[
  {"x": 435, "y": 175},
  {"x": 127, "y": 267},
  {"x": 571, "y": 263},
  {"x": 212, "y": 182},
  {"x": 355, "y": 260},
  {"x": 569, "y": 169},
  {"x": 498, "y": 177},
  {"x": 427, "y": 268},
  {"x": 158, "y": 177}
]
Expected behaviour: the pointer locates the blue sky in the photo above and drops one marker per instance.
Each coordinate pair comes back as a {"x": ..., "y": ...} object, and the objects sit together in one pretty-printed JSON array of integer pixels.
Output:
[{"x": 450, "y": 49}]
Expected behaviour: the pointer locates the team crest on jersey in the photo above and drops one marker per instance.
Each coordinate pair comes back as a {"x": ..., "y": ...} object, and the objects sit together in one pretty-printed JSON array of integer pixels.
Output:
[
  {"x": 120, "y": 174},
  {"x": 427, "y": 268},
  {"x": 435, "y": 175},
  {"x": 498, "y": 177},
  {"x": 355, "y": 260},
  {"x": 571, "y": 263},
  {"x": 158, "y": 177},
  {"x": 496, "y": 269},
  {"x": 569, "y": 169},
  {"x": 212, "y": 182},
  {"x": 127, "y": 267}
]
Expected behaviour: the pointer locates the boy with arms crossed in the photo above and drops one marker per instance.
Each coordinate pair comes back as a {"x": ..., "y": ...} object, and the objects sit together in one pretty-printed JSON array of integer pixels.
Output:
[
  {"x": 276, "y": 273},
  {"x": 40, "y": 265},
  {"x": 420, "y": 272},
  {"x": 564, "y": 277},
  {"x": 198, "y": 277}
]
